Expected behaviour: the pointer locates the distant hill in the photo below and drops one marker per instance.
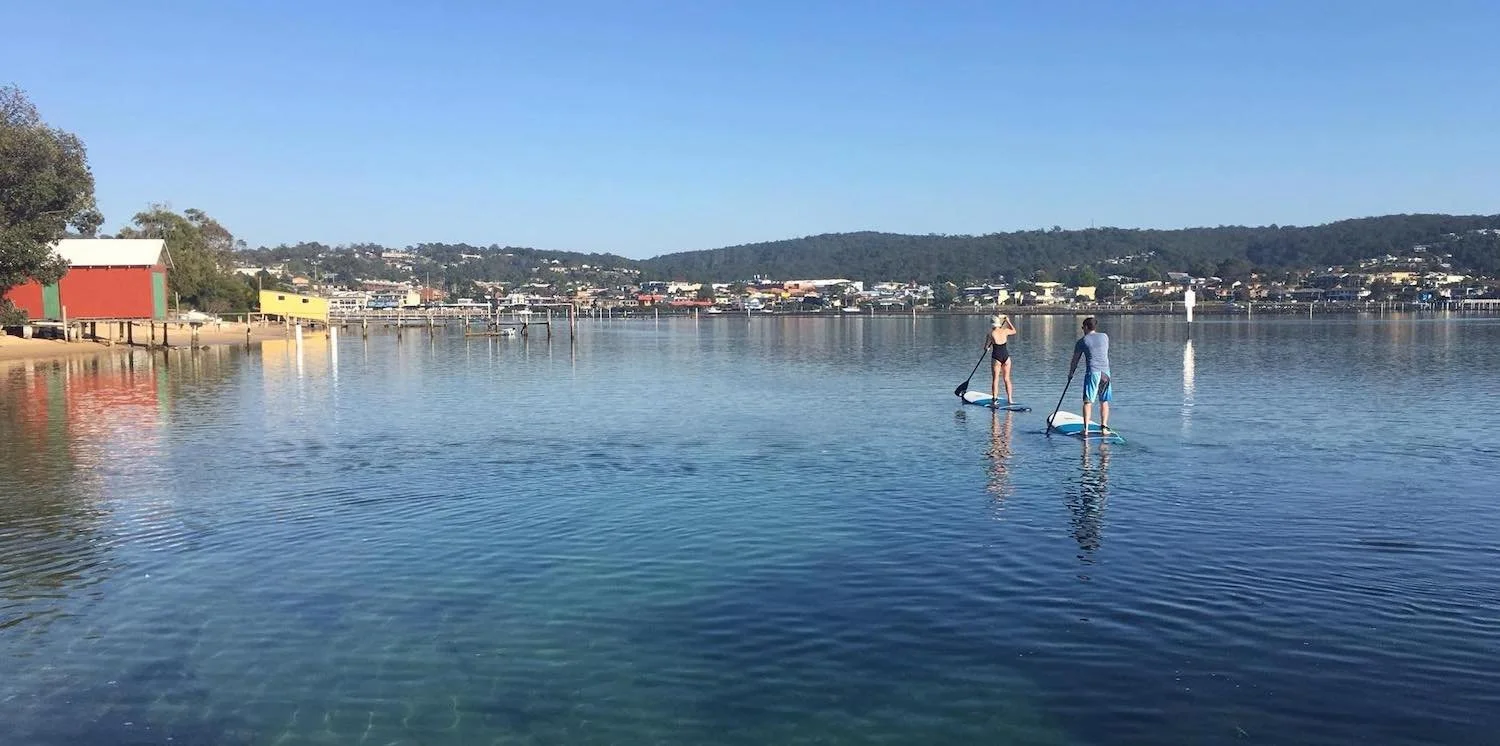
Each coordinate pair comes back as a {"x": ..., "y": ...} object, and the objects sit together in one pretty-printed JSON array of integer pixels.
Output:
[
  {"x": 873, "y": 256},
  {"x": 1231, "y": 252}
]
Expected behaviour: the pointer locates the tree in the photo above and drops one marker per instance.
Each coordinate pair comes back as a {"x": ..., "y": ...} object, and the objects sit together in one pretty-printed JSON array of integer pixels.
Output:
[
  {"x": 1233, "y": 269},
  {"x": 943, "y": 295},
  {"x": 1107, "y": 289},
  {"x": 202, "y": 262},
  {"x": 45, "y": 188},
  {"x": 1200, "y": 268},
  {"x": 706, "y": 291},
  {"x": 1382, "y": 289},
  {"x": 1081, "y": 277}
]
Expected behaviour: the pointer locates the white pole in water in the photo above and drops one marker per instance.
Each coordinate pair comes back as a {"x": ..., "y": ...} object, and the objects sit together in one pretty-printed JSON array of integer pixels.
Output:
[
  {"x": 333, "y": 345},
  {"x": 1189, "y": 299},
  {"x": 299, "y": 335}
]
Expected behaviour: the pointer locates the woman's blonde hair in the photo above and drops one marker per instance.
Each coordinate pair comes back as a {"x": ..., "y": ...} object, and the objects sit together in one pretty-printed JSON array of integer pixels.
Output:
[{"x": 998, "y": 321}]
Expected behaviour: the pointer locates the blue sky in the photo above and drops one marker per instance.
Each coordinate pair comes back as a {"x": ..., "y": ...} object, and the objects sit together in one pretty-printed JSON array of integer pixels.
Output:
[{"x": 648, "y": 127}]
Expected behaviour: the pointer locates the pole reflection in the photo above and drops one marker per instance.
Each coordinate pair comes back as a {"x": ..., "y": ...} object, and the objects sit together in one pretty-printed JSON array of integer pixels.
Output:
[{"x": 1188, "y": 370}]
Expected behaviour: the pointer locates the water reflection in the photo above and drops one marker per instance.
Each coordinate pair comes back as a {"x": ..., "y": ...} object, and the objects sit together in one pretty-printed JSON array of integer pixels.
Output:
[
  {"x": 1188, "y": 365},
  {"x": 999, "y": 484},
  {"x": 1087, "y": 500},
  {"x": 74, "y": 429},
  {"x": 309, "y": 358}
]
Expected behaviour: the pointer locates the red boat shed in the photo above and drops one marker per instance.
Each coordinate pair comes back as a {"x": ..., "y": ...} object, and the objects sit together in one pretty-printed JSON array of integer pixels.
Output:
[{"x": 115, "y": 279}]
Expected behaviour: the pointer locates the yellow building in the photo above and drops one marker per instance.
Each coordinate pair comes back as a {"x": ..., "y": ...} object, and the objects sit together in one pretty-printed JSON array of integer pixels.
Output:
[
  {"x": 1085, "y": 291},
  {"x": 294, "y": 306}
]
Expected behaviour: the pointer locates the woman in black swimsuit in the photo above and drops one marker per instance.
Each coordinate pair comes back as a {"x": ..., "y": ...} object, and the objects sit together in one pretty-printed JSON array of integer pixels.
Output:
[{"x": 1001, "y": 330}]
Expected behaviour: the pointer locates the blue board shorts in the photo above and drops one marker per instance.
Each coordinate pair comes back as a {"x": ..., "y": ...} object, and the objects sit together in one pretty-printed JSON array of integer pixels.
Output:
[{"x": 1093, "y": 391}]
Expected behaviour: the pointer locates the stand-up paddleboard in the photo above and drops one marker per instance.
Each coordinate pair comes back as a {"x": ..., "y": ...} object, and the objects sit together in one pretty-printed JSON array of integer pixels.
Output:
[
  {"x": 1071, "y": 425},
  {"x": 981, "y": 399}
]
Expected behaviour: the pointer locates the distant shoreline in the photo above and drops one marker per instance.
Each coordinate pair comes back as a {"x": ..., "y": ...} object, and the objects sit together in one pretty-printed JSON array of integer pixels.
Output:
[
  {"x": 1209, "y": 310},
  {"x": 15, "y": 351}
]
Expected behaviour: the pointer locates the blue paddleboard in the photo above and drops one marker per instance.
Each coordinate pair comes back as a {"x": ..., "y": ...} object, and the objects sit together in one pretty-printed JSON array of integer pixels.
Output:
[
  {"x": 1071, "y": 425},
  {"x": 980, "y": 399}
]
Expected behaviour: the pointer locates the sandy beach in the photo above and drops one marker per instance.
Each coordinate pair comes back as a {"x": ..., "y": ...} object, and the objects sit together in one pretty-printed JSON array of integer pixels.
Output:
[{"x": 179, "y": 336}]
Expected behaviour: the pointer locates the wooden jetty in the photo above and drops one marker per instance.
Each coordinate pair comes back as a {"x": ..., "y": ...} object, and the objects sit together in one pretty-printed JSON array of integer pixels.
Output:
[{"x": 491, "y": 323}]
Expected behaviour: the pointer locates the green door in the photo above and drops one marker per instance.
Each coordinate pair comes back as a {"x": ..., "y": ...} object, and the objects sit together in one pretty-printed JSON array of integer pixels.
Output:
[
  {"x": 159, "y": 295},
  {"x": 51, "y": 303}
]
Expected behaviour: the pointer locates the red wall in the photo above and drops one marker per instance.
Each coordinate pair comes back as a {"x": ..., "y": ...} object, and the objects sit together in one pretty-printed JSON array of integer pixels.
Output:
[
  {"x": 28, "y": 298},
  {"x": 107, "y": 292}
]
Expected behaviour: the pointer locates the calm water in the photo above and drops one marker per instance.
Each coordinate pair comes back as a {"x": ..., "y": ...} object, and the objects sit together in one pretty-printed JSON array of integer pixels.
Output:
[{"x": 757, "y": 531}]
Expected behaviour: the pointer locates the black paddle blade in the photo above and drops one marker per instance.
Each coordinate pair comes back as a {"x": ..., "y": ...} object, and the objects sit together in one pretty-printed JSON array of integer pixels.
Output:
[{"x": 962, "y": 387}]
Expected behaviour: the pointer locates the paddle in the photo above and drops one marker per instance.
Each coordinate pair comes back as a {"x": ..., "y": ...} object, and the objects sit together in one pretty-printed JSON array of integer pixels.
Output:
[
  {"x": 1059, "y": 402},
  {"x": 962, "y": 387}
]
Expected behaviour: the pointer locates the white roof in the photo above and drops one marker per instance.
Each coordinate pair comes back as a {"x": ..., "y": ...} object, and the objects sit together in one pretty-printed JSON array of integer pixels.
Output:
[{"x": 111, "y": 252}]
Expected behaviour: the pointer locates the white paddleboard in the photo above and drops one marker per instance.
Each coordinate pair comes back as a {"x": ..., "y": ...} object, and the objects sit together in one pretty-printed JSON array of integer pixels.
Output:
[
  {"x": 1071, "y": 425},
  {"x": 981, "y": 399}
]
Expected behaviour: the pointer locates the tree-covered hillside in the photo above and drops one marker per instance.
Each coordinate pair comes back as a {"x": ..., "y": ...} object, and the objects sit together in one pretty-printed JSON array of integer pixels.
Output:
[{"x": 1201, "y": 251}]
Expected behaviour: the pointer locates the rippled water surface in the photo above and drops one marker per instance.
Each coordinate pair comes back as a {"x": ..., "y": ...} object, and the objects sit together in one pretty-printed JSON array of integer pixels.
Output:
[{"x": 773, "y": 530}]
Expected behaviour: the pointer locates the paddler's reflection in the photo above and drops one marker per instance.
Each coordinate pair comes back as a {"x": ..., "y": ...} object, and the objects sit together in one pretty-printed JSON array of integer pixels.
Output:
[
  {"x": 1087, "y": 502},
  {"x": 999, "y": 452}
]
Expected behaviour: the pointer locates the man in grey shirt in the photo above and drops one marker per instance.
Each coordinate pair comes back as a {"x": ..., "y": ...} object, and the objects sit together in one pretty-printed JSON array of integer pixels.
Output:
[{"x": 1093, "y": 347}]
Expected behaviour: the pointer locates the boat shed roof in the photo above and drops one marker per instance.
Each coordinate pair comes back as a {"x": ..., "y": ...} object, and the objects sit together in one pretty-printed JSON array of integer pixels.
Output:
[{"x": 111, "y": 252}]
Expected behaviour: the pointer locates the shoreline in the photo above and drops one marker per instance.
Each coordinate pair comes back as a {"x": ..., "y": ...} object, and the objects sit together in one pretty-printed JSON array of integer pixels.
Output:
[
  {"x": 1100, "y": 310},
  {"x": 15, "y": 350}
]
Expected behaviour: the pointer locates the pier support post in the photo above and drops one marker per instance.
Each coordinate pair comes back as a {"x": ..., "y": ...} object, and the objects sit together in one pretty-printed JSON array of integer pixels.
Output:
[{"x": 130, "y": 334}]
